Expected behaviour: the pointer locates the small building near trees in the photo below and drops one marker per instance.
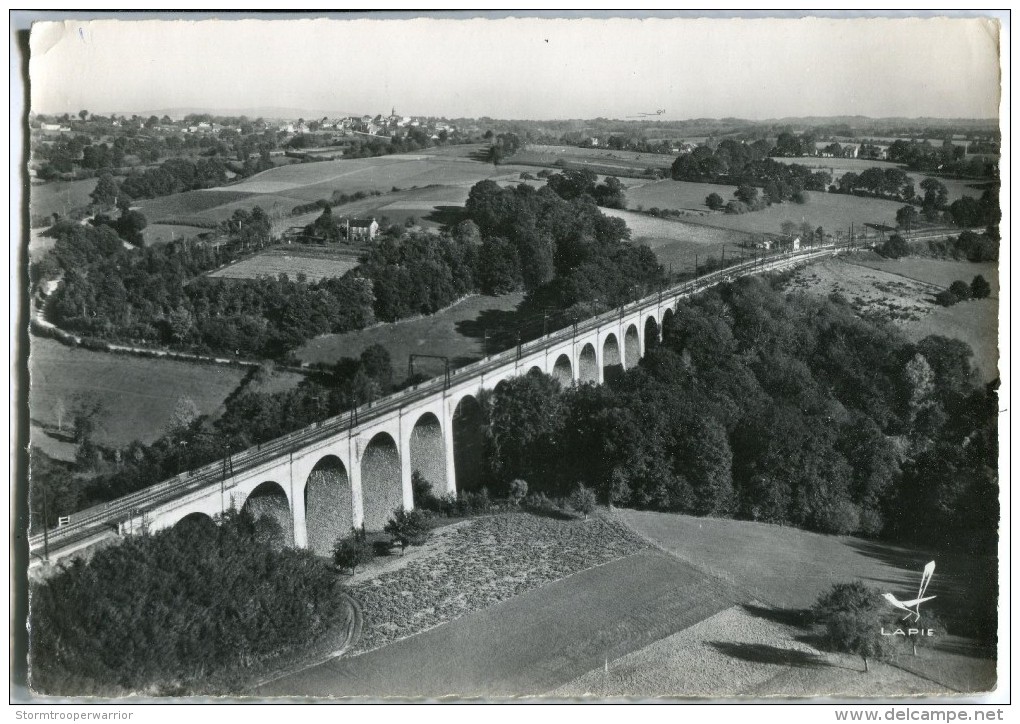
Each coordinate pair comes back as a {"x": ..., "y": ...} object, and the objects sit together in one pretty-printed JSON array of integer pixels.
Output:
[{"x": 362, "y": 229}]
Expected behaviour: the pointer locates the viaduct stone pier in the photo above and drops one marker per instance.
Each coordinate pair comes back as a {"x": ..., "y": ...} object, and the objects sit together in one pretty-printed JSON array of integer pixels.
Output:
[{"x": 356, "y": 468}]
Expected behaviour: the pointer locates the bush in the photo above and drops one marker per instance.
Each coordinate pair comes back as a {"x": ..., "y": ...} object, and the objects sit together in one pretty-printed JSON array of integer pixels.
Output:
[
  {"x": 980, "y": 288},
  {"x": 714, "y": 201},
  {"x": 518, "y": 490},
  {"x": 960, "y": 289},
  {"x": 582, "y": 500},
  {"x": 894, "y": 248},
  {"x": 421, "y": 491},
  {"x": 353, "y": 551},
  {"x": 540, "y": 503},
  {"x": 469, "y": 503},
  {"x": 946, "y": 298},
  {"x": 409, "y": 527}
]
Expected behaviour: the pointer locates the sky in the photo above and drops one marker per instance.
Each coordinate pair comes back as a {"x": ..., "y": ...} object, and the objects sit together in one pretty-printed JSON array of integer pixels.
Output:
[{"x": 524, "y": 68}]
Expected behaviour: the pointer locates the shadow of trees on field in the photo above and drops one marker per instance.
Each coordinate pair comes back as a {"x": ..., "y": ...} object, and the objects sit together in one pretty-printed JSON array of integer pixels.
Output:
[
  {"x": 765, "y": 654},
  {"x": 447, "y": 216},
  {"x": 496, "y": 328}
]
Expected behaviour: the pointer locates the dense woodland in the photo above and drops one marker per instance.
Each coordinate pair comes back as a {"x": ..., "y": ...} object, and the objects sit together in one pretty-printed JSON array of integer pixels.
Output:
[
  {"x": 786, "y": 409},
  {"x": 197, "y": 608}
]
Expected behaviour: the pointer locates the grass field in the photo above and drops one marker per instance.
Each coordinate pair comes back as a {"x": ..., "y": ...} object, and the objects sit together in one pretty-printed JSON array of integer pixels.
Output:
[
  {"x": 830, "y": 211},
  {"x": 679, "y": 243},
  {"x": 161, "y": 233},
  {"x": 189, "y": 203},
  {"x": 669, "y": 194},
  {"x": 290, "y": 260},
  {"x": 783, "y": 570},
  {"x": 602, "y": 158},
  {"x": 60, "y": 196},
  {"x": 519, "y": 605},
  {"x": 902, "y": 291},
  {"x": 395, "y": 207},
  {"x": 280, "y": 189},
  {"x": 456, "y": 332},
  {"x": 138, "y": 394}
]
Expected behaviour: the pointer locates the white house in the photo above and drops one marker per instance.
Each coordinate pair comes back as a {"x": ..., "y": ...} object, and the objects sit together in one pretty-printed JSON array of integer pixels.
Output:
[{"x": 362, "y": 229}]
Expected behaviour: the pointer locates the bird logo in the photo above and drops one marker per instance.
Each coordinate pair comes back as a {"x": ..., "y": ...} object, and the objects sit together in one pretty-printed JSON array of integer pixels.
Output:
[{"x": 913, "y": 607}]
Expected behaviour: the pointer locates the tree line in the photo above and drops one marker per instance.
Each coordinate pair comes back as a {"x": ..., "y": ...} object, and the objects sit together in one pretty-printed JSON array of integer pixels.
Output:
[
  {"x": 196, "y": 609},
  {"x": 741, "y": 164},
  {"x": 783, "y": 409}
]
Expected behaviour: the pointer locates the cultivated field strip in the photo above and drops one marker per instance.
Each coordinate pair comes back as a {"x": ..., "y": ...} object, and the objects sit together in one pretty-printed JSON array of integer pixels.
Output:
[{"x": 117, "y": 512}]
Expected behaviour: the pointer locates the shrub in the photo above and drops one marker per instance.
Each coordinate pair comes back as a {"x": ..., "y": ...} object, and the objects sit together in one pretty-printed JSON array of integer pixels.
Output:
[
  {"x": 409, "y": 527},
  {"x": 895, "y": 247},
  {"x": 960, "y": 289},
  {"x": 714, "y": 201},
  {"x": 421, "y": 490},
  {"x": 946, "y": 298},
  {"x": 353, "y": 551},
  {"x": 980, "y": 288},
  {"x": 518, "y": 490},
  {"x": 582, "y": 500},
  {"x": 469, "y": 503},
  {"x": 540, "y": 503},
  {"x": 852, "y": 615}
]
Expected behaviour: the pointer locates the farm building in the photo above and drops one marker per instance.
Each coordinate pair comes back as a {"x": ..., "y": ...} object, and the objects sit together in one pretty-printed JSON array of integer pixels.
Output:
[{"x": 362, "y": 229}]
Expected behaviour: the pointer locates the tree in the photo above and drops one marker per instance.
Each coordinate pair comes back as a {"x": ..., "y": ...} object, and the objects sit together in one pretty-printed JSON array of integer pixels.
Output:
[
  {"x": 409, "y": 527},
  {"x": 375, "y": 361},
  {"x": 714, "y": 201},
  {"x": 980, "y": 288},
  {"x": 906, "y": 217},
  {"x": 518, "y": 490},
  {"x": 353, "y": 551},
  {"x": 746, "y": 194},
  {"x": 83, "y": 114},
  {"x": 582, "y": 499},
  {"x": 526, "y": 419},
  {"x": 852, "y": 616},
  {"x": 935, "y": 193},
  {"x": 960, "y": 289},
  {"x": 894, "y": 247},
  {"x": 106, "y": 191},
  {"x": 130, "y": 226},
  {"x": 946, "y": 298}
]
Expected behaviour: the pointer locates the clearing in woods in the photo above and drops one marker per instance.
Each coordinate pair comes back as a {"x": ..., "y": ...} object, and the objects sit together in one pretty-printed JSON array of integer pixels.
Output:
[{"x": 456, "y": 332}]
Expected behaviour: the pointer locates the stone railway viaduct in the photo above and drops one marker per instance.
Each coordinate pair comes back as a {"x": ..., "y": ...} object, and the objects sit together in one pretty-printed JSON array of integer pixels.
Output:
[{"x": 356, "y": 468}]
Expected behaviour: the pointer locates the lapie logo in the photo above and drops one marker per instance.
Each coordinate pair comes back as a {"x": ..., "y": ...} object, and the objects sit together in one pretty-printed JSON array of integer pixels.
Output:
[{"x": 913, "y": 606}]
